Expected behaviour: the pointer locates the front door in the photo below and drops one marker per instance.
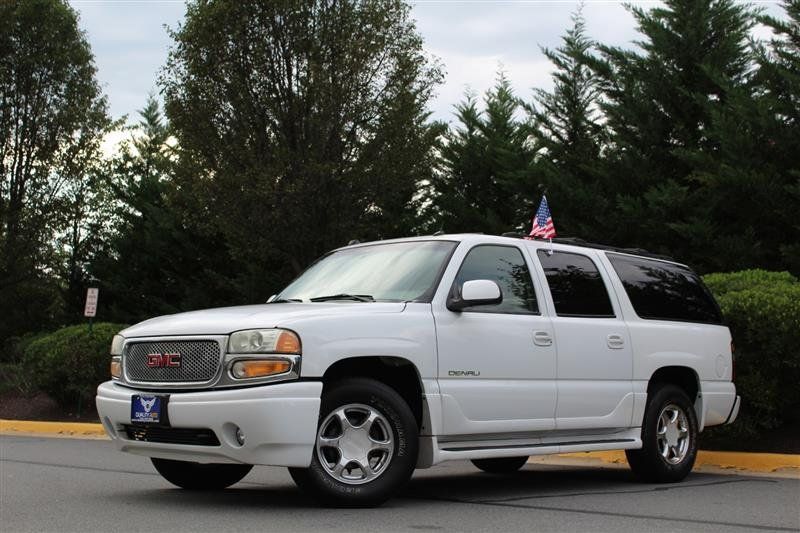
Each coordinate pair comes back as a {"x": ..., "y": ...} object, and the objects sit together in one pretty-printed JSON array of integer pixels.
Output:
[{"x": 497, "y": 363}]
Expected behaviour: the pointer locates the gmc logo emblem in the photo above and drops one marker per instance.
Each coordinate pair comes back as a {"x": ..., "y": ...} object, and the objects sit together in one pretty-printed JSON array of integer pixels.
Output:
[{"x": 164, "y": 360}]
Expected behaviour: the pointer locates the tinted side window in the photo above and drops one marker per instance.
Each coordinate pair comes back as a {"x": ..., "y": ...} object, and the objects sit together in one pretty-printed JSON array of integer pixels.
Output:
[
  {"x": 576, "y": 285},
  {"x": 505, "y": 266},
  {"x": 663, "y": 291}
]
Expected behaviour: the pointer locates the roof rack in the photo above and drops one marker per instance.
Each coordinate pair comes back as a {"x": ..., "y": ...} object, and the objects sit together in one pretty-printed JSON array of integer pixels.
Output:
[{"x": 575, "y": 241}]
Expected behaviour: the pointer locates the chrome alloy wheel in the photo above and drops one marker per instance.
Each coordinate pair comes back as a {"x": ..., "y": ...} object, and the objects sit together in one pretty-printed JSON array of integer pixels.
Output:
[
  {"x": 672, "y": 434},
  {"x": 355, "y": 444}
]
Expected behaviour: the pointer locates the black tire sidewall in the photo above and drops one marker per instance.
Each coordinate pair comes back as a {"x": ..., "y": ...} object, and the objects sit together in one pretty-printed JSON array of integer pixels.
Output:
[
  {"x": 200, "y": 476},
  {"x": 404, "y": 458},
  {"x": 648, "y": 463},
  {"x": 500, "y": 465}
]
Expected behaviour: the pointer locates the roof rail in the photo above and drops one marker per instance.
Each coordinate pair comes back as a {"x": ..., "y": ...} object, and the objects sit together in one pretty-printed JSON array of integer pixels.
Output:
[{"x": 575, "y": 241}]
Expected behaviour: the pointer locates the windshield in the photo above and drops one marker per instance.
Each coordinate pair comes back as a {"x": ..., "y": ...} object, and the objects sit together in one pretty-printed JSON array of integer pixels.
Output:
[{"x": 402, "y": 271}]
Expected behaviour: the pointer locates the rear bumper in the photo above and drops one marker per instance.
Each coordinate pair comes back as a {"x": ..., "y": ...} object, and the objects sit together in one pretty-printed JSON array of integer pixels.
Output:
[
  {"x": 279, "y": 423},
  {"x": 720, "y": 402},
  {"x": 734, "y": 410}
]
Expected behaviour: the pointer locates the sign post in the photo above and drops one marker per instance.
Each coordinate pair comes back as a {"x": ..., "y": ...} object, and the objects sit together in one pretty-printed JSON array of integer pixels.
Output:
[{"x": 90, "y": 309}]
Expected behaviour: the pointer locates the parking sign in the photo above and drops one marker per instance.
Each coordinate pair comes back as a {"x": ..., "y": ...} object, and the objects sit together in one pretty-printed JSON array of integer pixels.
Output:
[{"x": 91, "y": 302}]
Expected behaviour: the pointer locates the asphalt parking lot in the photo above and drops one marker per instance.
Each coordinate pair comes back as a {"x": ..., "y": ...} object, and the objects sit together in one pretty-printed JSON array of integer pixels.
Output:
[{"x": 56, "y": 484}]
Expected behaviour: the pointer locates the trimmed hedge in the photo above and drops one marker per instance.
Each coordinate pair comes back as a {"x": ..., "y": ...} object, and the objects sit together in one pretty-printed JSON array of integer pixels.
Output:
[
  {"x": 70, "y": 363},
  {"x": 762, "y": 309}
]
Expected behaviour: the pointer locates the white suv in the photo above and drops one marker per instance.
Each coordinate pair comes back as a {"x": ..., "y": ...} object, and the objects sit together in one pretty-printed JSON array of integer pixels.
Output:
[{"x": 389, "y": 356}]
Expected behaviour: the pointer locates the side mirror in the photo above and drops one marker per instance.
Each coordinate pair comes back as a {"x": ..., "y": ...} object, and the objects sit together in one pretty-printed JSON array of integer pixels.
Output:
[
  {"x": 476, "y": 292},
  {"x": 269, "y": 300}
]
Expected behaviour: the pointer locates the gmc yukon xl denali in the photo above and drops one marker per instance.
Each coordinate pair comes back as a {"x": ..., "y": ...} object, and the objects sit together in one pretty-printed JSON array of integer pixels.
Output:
[{"x": 394, "y": 355}]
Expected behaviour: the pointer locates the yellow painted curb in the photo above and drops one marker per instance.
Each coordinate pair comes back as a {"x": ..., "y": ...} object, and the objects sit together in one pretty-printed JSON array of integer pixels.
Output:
[
  {"x": 754, "y": 462},
  {"x": 71, "y": 429}
]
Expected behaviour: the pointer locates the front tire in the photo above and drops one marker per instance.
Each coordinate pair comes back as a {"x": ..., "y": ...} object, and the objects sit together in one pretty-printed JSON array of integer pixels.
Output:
[
  {"x": 501, "y": 465},
  {"x": 366, "y": 446},
  {"x": 669, "y": 438},
  {"x": 199, "y": 476}
]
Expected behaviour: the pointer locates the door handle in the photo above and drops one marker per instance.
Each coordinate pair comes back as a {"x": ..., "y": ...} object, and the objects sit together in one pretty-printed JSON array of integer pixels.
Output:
[
  {"x": 542, "y": 338},
  {"x": 615, "y": 342}
]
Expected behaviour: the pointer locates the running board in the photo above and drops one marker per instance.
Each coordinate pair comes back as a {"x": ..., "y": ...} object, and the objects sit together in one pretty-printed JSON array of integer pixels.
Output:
[
  {"x": 534, "y": 446},
  {"x": 433, "y": 452}
]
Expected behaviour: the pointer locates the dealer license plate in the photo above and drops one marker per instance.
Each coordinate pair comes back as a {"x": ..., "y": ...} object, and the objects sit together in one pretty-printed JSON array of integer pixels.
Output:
[{"x": 148, "y": 409}]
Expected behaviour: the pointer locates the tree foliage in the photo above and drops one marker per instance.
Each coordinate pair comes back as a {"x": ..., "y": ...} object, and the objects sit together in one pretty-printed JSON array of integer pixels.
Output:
[
  {"x": 659, "y": 105},
  {"x": 152, "y": 262},
  {"x": 52, "y": 115},
  {"x": 483, "y": 167},
  {"x": 569, "y": 137},
  {"x": 304, "y": 125}
]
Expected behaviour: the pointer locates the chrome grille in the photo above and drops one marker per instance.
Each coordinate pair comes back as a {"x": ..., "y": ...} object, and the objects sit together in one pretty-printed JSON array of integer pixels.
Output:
[{"x": 200, "y": 360}]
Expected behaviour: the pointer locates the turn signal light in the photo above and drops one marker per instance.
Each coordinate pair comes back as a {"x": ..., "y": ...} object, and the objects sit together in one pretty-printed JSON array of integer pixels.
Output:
[
  {"x": 288, "y": 342},
  {"x": 116, "y": 367},
  {"x": 258, "y": 368}
]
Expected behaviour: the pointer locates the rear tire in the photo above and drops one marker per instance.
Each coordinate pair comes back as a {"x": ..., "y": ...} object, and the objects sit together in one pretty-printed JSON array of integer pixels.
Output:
[
  {"x": 669, "y": 438},
  {"x": 199, "y": 476},
  {"x": 501, "y": 465},
  {"x": 366, "y": 446}
]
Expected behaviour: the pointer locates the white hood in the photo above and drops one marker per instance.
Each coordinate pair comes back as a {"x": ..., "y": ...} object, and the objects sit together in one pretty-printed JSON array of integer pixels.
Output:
[{"x": 225, "y": 320}]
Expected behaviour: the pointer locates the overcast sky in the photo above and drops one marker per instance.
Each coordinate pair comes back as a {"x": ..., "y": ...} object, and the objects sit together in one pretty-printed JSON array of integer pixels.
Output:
[{"x": 472, "y": 38}]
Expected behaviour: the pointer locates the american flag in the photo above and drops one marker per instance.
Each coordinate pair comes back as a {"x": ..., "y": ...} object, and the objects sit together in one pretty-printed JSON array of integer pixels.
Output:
[{"x": 543, "y": 222}]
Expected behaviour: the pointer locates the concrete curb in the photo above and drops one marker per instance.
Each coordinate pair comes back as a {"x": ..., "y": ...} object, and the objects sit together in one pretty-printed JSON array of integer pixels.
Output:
[{"x": 741, "y": 461}]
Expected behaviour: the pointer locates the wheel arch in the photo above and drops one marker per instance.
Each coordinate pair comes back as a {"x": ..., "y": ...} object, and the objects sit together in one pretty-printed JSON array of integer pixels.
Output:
[
  {"x": 683, "y": 377},
  {"x": 398, "y": 373}
]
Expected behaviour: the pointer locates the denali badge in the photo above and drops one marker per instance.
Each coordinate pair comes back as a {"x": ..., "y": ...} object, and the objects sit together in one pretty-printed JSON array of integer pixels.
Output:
[
  {"x": 464, "y": 373},
  {"x": 164, "y": 360}
]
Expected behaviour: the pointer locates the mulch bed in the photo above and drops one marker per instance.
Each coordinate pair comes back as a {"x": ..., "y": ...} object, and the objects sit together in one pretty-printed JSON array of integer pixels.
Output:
[{"x": 40, "y": 406}]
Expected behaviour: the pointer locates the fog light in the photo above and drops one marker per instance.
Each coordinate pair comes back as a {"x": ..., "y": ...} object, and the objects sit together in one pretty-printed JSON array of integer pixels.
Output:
[
  {"x": 259, "y": 368},
  {"x": 240, "y": 436}
]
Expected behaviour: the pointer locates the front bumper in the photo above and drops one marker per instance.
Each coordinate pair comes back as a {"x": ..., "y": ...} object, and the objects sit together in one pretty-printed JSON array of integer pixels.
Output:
[{"x": 279, "y": 422}]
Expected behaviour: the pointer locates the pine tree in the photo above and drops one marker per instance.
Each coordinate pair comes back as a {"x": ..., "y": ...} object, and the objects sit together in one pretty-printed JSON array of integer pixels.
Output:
[
  {"x": 778, "y": 80},
  {"x": 748, "y": 182},
  {"x": 460, "y": 183},
  {"x": 568, "y": 134},
  {"x": 154, "y": 263},
  {"x": 478, "y": 186},
  {"x": 660, "y": 104}
]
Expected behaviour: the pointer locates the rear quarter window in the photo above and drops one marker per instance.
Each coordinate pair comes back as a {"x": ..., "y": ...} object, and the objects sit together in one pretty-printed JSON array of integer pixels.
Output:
[{"x": 665, "y": 291}]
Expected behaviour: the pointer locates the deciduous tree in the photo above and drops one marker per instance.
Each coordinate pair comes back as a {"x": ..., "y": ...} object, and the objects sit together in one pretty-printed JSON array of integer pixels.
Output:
[
  {"x": 304, "y": 124},
  {"x": 52, "y": 116}
]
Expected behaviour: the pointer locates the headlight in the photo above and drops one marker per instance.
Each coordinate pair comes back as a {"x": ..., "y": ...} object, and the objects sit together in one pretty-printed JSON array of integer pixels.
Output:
[
  {"x": 264, "y": 341},
  {"x": 116, "y": 345}
]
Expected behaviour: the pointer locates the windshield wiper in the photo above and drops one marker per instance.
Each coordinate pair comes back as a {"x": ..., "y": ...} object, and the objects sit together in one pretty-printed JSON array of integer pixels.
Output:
[
  {"x": 344, "y": 296},
  {"x": 286, "y": 300}
]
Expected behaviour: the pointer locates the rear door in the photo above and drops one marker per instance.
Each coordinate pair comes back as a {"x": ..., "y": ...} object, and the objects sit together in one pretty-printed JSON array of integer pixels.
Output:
[{"x": 595, "y": 359}]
